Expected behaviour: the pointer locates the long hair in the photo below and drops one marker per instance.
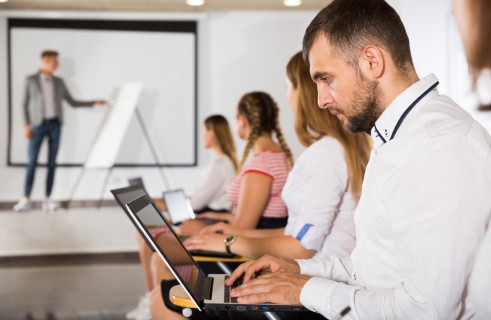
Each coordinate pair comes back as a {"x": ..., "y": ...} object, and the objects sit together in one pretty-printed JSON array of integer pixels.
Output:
[
  {"x": 312, "y": 123},
  {"x": 479, "y": 53},
  {"x": 219, "y": 125},
  {"x": 262, "y": 113}
]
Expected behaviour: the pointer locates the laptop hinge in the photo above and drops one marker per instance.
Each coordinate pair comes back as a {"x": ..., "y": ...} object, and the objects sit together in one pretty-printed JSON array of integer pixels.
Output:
[{"x": 206, "y": 293}]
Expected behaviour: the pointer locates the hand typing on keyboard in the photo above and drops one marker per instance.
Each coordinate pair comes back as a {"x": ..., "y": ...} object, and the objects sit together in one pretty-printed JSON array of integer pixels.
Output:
[{"x": 268, "y": 279}]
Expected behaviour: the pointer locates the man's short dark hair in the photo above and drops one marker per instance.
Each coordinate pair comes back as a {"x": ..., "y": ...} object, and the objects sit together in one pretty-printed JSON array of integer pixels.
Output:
[
  {"x": 49, "y": 54},
  {"x": 351, "y": 25}
]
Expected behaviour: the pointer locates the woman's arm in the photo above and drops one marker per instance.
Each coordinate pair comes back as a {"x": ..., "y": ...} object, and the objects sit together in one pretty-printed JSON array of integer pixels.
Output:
[
  {"x": 281, "y": 246},
  {"x": 226, "y": 228},
  {"x": 255, "y": 191}
]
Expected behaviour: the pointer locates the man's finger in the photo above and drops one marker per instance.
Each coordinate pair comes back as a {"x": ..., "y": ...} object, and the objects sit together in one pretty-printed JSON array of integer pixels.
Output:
[{"x": 238, "y": 272}]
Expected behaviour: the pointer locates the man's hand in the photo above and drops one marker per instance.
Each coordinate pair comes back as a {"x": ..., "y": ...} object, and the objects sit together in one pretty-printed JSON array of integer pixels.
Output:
[
  {"x": 264, "y": 264},
  {"x": 28, "y": 132},
  {"x": 101, "y": 101},
  {"x": 209, "y": 241},
  {"x": 280, "y": 287},
  {"x": 191, "y": 227}
]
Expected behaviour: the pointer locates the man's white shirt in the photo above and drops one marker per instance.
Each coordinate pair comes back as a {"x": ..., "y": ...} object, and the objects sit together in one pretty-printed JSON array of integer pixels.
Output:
[{"x": 424, "y": 209}]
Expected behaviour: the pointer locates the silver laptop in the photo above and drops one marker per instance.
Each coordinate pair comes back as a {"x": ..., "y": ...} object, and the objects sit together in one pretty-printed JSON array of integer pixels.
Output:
[
  {"x": 178, "y": 206},
  {"x": 206, "y": 292}
]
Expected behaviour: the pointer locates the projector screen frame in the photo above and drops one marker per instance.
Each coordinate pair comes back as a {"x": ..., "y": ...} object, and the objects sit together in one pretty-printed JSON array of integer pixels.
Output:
[{"x": 184, "y": 26}]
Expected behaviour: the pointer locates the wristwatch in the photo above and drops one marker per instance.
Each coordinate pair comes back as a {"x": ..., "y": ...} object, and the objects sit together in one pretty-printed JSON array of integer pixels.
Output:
[{"x": 230, "y": 240}]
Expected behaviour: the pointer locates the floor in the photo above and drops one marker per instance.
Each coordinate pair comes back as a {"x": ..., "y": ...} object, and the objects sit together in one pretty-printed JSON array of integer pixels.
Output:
[
  {"x": 88, "y": 287},
  {"x": 77, "y": 264}
]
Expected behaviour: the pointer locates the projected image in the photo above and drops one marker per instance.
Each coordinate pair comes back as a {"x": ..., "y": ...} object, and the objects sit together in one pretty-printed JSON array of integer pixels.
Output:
[{"x": 96, "y": 58}]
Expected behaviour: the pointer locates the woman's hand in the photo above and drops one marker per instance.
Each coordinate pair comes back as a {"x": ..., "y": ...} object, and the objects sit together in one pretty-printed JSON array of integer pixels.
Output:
[
  {"x": 221, "y": 227},
  {"x": 217, "y": 216},
  {"x": 191, "y": 227},
  {"x": 209, "y": 241}
]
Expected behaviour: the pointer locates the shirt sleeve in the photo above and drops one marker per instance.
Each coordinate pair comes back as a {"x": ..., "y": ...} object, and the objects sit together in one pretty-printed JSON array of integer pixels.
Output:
[
  {"x": 68, "y": 97},
  {"x": 27, "y": 96},
  {"x": 258, "y": 164},
  {"x": 321, "y": 180},
  {"x": 209, "y": 184}
]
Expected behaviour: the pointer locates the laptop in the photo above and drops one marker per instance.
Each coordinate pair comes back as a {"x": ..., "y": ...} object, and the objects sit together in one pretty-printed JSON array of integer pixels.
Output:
[
  {"x": 136, "y": 181},
  {"x": 125, "y": 195},
  {"x": 206, "y": 292},
  {"x": 179, "y": 207}
]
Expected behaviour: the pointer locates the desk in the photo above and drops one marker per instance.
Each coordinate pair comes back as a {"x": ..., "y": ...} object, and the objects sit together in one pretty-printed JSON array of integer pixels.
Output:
[{"x": 218, "y": 259}]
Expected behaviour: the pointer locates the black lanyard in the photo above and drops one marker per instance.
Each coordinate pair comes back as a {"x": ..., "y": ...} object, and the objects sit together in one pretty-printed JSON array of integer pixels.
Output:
[{"x": 406, "y": 112}]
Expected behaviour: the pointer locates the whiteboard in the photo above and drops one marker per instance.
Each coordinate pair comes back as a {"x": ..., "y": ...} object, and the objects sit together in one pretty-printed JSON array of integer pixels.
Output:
[
  {"x": 95, "y": 59},
  {"x": 108, "y": 141}
]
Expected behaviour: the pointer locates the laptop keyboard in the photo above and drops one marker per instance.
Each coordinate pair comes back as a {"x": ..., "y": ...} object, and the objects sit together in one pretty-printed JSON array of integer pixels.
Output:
[{"x": 227, "y": 297}]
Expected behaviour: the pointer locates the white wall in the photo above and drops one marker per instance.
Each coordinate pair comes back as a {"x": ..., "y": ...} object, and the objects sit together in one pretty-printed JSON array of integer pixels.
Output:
[{"x": 238, "y": 52}]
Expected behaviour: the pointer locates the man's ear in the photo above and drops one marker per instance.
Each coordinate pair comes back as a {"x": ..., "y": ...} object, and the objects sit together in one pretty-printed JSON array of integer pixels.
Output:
[{"x": 372, "y": 62}]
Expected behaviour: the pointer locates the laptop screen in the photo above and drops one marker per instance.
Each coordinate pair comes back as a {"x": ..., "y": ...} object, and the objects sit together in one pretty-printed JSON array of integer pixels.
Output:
[
  {"x": 178, "y": 206},
  {"x": 172, "y": 251}
]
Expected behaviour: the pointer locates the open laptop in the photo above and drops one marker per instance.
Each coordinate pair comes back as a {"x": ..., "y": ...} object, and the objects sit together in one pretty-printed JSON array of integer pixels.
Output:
[
  {"x": 206, "y": 292},
  {"x": 179, "y": 207},
  {"x": 125, "y": 195},
  {"x": 136, "y": 181}
]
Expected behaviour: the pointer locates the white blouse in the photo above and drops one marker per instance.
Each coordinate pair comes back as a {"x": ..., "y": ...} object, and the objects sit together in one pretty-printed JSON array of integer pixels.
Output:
[
  {"x": 210, "y": 190},
  {"x": 320, "y": 204}
]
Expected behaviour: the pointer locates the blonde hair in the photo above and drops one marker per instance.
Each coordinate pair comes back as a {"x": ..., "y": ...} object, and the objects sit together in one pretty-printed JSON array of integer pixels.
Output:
[
  {"x": 312, "y": 123},
  {"x": 219, "y": 125},
  {"x": 262, "y": 112}
]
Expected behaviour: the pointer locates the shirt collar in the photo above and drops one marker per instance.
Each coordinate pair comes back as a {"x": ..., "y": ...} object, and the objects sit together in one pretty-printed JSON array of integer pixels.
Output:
[
  {"x": 387, "y": 121},
  {"x": 45, "y": 76}
]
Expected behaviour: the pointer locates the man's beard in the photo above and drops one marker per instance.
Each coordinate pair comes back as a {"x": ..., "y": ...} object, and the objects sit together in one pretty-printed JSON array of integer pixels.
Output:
[{"x": 365, "y": 108}]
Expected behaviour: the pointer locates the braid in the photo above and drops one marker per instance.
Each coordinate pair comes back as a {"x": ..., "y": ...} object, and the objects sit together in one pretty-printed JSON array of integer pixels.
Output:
[
  {"x": 255, "y": 126},
  {"x": 280, "y": 137},
  {"x": 262, "y": 112}
]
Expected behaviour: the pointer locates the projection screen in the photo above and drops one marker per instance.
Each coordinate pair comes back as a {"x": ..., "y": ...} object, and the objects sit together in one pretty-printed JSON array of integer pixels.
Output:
[{"x": 96, "y": 57}]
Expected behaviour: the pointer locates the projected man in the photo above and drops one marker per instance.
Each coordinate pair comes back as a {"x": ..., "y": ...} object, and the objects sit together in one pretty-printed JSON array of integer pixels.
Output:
[{"x": 43, "y": 117}]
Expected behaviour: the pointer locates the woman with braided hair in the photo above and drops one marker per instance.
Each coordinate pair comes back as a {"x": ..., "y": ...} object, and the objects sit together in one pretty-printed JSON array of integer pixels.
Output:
[{"x": 255, "y": 193}]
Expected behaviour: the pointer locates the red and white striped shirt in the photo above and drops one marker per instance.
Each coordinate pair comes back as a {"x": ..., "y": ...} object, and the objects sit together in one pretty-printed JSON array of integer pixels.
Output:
[{"x": 274, "y": 164}]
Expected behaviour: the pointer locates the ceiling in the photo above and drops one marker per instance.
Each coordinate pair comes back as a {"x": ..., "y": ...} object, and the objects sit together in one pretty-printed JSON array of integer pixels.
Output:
[{"x": 157, "y": 5}]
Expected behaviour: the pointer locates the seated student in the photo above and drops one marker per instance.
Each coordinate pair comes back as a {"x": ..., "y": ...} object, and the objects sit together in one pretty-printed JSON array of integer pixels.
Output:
[
  {"x": 321, "y": 192},
  {"x": 209, "y": 194},
  {"x": 263, "y": 176},
  {"x": 210, "y": 191},
  {"x": 255, "y": 193}
]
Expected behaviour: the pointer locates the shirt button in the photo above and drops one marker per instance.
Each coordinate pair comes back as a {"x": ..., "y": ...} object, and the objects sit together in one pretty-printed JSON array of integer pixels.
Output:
[{"x": 354, "y": 276}]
